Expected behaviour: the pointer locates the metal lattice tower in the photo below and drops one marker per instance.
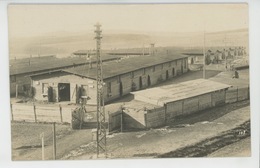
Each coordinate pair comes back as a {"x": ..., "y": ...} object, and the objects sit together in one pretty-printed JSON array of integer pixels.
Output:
[{"x": 101, "y": 127}]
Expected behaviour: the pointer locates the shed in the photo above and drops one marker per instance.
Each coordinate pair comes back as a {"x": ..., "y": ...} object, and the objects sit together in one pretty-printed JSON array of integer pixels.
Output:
[{"x": 184, "y": 98}]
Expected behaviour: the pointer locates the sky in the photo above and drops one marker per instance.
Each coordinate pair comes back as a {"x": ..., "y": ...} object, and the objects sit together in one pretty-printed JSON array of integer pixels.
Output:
[{"x": 37, "y": 20}]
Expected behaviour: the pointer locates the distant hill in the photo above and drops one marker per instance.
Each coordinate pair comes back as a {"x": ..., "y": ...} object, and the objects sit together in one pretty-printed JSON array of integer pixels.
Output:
[{"x": 64, "y": 43}]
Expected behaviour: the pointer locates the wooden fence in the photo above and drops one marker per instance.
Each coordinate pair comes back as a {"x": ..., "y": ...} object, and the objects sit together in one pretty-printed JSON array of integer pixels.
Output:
[
  {"x": 117, "y": 120},
  {"x": 237, "y": 94},
  {"x": 40, "y": 113}
]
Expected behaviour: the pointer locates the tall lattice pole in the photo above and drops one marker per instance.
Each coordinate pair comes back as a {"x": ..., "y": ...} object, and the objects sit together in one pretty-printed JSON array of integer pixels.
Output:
[{"x": 101, "y": 127}]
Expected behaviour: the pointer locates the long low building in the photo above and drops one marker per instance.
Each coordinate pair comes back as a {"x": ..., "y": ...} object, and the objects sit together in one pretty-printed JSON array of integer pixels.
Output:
[
  {"x": 120, "y": 78},
  {"x": 157, "y": 106},
  {"x": 20, "y": 69}
]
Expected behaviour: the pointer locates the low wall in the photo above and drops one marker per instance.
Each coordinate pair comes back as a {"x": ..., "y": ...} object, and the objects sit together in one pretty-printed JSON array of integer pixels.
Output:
[
  {"x": 237, "y": 94},
  {"x": 173, "y": 109},
  {"x": 40, "y": 113},
  {"x": 115, "y": 121},
  {"x": 155, "y": 117}
]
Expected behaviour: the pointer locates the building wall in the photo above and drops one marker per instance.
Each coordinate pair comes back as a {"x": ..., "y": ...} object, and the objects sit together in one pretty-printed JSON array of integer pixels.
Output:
[
  {"x": 218, "y": 97},
  {"x": 160, "y": 116},
  {"x": 173, "y": 109},
  {"x": 125, "y": 80},
  {"x": 139, "y": 79},
  {"x": 155, "y": 117},
  {"x": 21, "y": 80},
  {"x": 114, "y": 87},
  {"x": 75, "y": 82},
  {"x": 204, "y": 101},
  {"x": 190, "y": 105}
]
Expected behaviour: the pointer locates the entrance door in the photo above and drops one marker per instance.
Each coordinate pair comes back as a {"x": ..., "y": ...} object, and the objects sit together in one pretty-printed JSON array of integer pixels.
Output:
[
  {"x": 64, "y": 91},
  {"x": 173, "y": 72},
  {"x": 167, "y": 75},
  {"x": 140, "y": 82},
  {"x": 148, "y": 81},
  {"x": 192, "y": 61}
]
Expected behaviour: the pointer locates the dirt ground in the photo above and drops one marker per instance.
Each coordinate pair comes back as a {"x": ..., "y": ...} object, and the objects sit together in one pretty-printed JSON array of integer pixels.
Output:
[
  {"x": 238, "y": 149},
  {"x": 26, "y": 141}
]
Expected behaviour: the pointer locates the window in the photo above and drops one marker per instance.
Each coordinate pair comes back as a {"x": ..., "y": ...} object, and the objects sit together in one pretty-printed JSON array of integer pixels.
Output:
[{"x": 45, "y": 88}]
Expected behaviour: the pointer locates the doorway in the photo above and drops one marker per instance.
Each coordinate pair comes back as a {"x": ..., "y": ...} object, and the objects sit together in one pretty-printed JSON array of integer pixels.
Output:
[
  {"x": 64, "y": 91},
  {"x": 148, "y": 81},
  {"x": 140, "y": 82},
  {"x": 192, "y": 61},
  {"x": 173, "y": 72},
  {"x": 167, "y": 75}
]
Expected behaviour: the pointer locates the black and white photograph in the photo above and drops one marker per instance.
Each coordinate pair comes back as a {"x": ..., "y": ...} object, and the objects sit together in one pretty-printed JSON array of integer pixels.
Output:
[{"x": 129, "y": 81}]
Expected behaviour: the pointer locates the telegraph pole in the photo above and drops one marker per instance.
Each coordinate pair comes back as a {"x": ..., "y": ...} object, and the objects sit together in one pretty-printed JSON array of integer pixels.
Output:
[
  {"x": 225, "y": 41},
  {"x": 204, "y": 55},
  {"x": 101, "y": 127}
]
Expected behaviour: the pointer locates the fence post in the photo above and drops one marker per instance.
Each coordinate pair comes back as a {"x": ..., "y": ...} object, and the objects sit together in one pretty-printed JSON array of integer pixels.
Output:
[
  {"x": 165, "y": 114},
  {"x": 237, "y": 93},
  {"x": 248, "y": 92},
  {"x": 61, "y": 119},
  {"x": 109, "y": 121},
  {"x": 121, "y": 118},
  {"x": 54, "y": 141},
  {"x": 42, "y": 137},
  {"x": 225, "y": 91},
  {"x": 34, "y": 110},
  {"x": 12, "y": 115},
  {"x": 182, "y": 107}
]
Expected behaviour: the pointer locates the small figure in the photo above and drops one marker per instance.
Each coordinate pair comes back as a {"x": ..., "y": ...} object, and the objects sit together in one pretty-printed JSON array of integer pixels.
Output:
[{"x": 236, "y": 75}]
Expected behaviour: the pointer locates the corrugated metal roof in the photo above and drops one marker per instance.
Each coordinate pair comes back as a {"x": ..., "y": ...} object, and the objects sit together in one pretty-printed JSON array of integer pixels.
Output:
[
  {"x": 123, "y": 66},
  {"x": 184, "y": 90}
]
